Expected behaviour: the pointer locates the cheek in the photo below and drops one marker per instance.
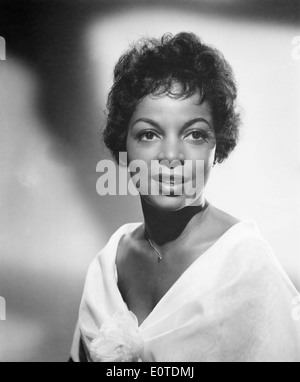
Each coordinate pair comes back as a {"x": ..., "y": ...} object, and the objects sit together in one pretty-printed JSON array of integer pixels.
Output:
[
  {"x": 205, "y": 154},
  {"x": 138, "y": 152},
  {"x": 133, "y": 154},
  {"x": 203, "y": 169},
  {"x": 129, "y": 148}
]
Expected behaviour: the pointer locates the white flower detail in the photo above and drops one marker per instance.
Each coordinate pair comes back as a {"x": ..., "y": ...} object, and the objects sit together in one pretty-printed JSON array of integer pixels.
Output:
[{"x": 119, "y": 340}]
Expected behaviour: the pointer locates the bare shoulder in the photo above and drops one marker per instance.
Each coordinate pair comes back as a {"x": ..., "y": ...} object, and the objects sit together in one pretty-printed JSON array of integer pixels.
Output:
[
  {"x": 129, "y": 244},
  {"x": 223, "y": 217}
]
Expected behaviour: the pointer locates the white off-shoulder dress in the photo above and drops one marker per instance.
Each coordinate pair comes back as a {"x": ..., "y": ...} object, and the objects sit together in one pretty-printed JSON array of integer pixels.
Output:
[{"x": 234, "y": 303}]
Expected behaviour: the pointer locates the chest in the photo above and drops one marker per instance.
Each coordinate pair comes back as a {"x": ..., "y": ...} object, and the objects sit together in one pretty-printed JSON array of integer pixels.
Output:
[{"x": 143, "y": 282}]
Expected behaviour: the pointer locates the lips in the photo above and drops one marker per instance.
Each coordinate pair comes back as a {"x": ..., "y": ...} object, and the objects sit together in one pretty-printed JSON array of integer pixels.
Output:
[{"x": 172, "y": 179}]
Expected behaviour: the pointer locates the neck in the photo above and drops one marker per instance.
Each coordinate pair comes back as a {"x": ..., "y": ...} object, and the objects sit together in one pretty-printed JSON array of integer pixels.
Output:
[{"x": 166, "y": 226}]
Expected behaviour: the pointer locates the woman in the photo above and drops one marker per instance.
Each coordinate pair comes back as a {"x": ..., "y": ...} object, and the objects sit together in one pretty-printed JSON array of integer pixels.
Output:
[{"x": 190, "y": 283}]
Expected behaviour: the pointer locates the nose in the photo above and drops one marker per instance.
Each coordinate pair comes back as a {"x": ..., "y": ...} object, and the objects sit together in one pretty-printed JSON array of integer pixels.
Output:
[{"x": 172, "y": 153}]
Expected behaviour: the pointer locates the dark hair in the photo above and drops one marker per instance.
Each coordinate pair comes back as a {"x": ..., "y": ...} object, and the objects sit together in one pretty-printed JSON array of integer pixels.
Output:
[{"x": 151, "y": 66}]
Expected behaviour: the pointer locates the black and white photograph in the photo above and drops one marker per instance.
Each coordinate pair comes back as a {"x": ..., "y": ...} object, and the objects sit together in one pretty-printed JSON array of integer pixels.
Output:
[{"x": 149, "y": 183}]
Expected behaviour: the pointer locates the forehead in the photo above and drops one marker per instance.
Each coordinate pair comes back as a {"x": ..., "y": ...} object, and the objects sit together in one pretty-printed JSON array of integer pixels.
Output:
[{"x": 167, "y": 106}]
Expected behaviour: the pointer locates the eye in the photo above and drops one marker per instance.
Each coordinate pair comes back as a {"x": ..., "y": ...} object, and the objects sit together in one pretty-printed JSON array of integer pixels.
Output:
[
  {"x": 197, "y": 136},
  {"x": 148, "y": 136}
]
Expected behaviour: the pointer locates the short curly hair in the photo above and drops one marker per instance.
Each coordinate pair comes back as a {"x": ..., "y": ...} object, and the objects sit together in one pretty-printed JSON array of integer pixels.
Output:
[{"x": 151, "y": 66}]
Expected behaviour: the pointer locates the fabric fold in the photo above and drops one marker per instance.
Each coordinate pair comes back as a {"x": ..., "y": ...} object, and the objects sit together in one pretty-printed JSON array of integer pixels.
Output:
[{"x": 234, "y": 303}]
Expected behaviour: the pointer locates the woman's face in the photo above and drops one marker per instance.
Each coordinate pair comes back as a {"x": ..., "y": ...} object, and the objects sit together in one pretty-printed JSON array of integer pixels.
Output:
[{"x": 165, "y": 129}]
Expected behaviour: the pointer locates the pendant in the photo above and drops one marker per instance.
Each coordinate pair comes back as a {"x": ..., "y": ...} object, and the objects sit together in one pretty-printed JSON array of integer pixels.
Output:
[{"x": 159, "y": 258}]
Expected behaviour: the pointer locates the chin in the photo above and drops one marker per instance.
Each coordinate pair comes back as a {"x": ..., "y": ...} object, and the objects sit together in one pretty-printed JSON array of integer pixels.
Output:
[{"x": 167, "y": 202}]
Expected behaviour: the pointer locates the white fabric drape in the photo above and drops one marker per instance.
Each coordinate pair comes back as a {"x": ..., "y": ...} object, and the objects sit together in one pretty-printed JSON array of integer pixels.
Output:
[{"x": 234, "y": 303}]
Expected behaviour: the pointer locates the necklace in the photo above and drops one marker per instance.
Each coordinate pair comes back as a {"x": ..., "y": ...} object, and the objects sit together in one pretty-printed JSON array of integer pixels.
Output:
[{"x": 160, "y": 253}]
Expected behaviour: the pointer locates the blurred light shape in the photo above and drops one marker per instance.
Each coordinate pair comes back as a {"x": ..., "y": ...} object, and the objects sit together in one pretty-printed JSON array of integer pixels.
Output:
[
  {"x": 39, "y": 198},
  {"x": 2, "y": 49},
  {"x": 20, "y": 338}
]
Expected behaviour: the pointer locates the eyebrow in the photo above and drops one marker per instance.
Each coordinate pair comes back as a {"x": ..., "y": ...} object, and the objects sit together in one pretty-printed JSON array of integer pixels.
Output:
[{"x": 185, "y": 126}]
